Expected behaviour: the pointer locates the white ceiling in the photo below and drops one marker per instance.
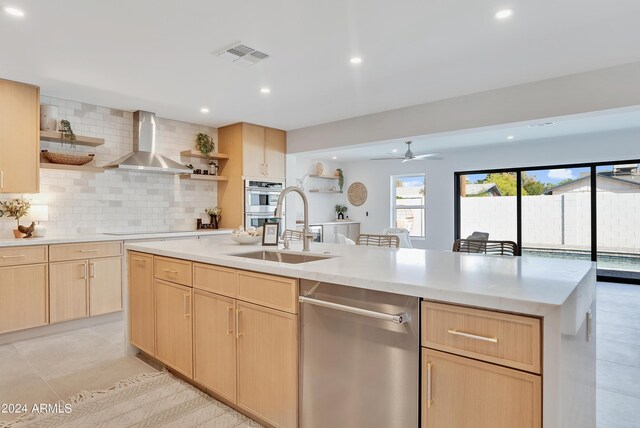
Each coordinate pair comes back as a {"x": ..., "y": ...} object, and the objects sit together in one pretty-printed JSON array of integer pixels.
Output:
[
  {"x": 157, "y": 54},
  {"x": 603, "y": 121}
]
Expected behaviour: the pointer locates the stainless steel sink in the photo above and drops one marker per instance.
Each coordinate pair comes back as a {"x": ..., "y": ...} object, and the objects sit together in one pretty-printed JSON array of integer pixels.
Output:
[{"x": 281, "y": 257}]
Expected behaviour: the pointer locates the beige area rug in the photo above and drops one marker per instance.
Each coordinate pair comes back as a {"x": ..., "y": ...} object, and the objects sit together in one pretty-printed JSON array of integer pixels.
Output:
[{"x": 147, "y": 400}]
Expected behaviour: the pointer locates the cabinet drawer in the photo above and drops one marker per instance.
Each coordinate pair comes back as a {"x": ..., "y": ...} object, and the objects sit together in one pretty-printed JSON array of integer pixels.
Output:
[
  {"x": 173, "y": 270},
  {"x": 13, "y": 256},
  {"x": 506, "y": 339},
  {"x": 215, "y": 279},
  {"x": 85, "y": 250},
  {"x": 267, "y": 290}
]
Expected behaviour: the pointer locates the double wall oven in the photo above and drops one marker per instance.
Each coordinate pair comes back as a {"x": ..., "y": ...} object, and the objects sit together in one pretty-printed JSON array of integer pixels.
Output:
[{"x": 260, "y": 200}]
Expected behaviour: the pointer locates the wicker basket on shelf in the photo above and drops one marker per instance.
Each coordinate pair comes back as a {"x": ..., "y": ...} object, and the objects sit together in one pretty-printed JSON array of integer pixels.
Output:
[{"x": 67, "y": 158}]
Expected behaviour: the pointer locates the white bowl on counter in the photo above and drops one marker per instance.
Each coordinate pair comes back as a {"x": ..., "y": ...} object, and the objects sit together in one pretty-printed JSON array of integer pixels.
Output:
[{"x": 246, "y": 239}]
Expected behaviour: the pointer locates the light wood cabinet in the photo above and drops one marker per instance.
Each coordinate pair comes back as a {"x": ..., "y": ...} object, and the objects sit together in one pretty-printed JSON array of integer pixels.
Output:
[
  {"x": 255, "y": 152},
  {"x": 267, "y": 364},
  {"x": 141, "y": 302},
  {"x": 19, "y": 137},
  {"x": 13, "y": 256},
  {"x": 105, "y": 285},
  {"x": 24, "y": 297},
  {"x": 465, "y": 393},
  {"x": 214, "y": 343},
  {"x": 174, "y": 343},
  {"x": 80, "y": 286},
  {"x": 68, "y": 290}
]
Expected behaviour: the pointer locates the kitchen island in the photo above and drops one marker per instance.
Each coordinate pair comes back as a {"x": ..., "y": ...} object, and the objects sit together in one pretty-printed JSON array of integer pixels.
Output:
[{"x": 524, "y": 328}]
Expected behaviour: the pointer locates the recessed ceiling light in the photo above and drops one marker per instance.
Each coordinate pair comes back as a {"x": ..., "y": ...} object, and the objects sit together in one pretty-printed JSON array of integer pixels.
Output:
[
  {"x": 334, "y": 157},
  {"x": 510, "y": 137},
  {"x": 504, "y": 13},
  {"x": 204, "y": 110},
  {"x": 394, "y": 150},
  {"x": 13, "y": 11},
  {"x": 265, "y": 90},
  {"x": 355, "y": 60}
]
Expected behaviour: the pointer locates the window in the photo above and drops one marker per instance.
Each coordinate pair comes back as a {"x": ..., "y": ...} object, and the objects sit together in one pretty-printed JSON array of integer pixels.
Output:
[{"x": 408, "y": 203}]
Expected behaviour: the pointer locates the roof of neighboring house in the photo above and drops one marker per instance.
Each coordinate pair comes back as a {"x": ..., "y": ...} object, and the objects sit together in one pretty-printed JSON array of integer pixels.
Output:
[
  {"x": 480, "y": 188},
  {"x": 629, "y": 179}
]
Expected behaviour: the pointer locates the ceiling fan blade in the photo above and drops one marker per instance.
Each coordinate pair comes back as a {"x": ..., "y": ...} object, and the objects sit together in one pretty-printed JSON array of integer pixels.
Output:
[
  {"x": 408, "y": 160},
  {"x": 427, "y": 155},
  {"x": 389, "y": 158}
]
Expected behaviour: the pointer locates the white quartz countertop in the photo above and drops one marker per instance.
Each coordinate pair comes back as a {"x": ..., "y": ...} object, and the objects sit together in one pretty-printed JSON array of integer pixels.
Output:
[
  {"x": 69, "y": 239},
  {"x": 528, "y": 285}
]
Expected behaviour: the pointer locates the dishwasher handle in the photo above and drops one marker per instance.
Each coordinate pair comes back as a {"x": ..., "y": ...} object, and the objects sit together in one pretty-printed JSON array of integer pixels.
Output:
[{"x": 400, "y": 318}]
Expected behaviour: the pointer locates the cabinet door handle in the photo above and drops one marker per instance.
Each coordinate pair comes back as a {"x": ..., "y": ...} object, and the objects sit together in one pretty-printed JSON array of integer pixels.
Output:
[
  {"x": 138, "y": 259},
  {"x": 238, "y": 334},
  {"x": 268, "y": 168},
  {"x": 17, "y": 256},
  {"x": 473, "y": 336},
  {"x": 170, "y": 270},
  {"x": 88, "y": 251},
  {"x": 429, "y": 400},
  {"x": 84, "y": 271},
  {"x": 229, "y": 309},
  {"x": 1, "y": 179},
  {"x": 187, "y": 305},
  {"x": 589, "y": 321},
  {"x": 92, "y": 270}
]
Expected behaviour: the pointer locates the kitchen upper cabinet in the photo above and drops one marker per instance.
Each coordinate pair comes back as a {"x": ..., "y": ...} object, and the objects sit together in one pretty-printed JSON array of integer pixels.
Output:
[
  {"x": 465, "y": 393},
  {"x": 141, "y": 302},
  {"x": 24, "y": 296},
  {"x": 173, "y": 326},
  {"x": 214, "y": 343},
  {"x": 68, "y": 290},
  {"x": 267, "y": 363},
  {"x": 263, "y": 152},
  {"x": 105, "y": 285},
  {"x": 275, "y": 148},
  {"x": 19, "y": 137}
]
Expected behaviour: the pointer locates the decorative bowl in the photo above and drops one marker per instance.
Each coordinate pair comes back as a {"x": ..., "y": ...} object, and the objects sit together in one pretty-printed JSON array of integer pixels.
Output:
[
  {"x": 246, "y": 239},
  {"x": 67, "y": 158}
]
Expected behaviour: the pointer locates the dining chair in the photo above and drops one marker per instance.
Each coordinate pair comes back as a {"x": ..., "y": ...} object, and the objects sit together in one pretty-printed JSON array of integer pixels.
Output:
[
  {"x": 502, "y": 248},
  {"x": 391, "y": 241},
  {"x": 341, "y": 239},
  {"x": 292, "y": 235}
]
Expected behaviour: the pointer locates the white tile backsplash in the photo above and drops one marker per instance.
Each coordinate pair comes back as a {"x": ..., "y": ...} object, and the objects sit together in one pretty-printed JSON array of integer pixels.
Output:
[{"x": 85, "y": 203}]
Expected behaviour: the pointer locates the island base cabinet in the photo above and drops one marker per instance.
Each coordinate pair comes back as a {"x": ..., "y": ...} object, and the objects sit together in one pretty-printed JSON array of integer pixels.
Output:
[
  {"x": 214, "y": 343},
  {"x": 267, "y": 364},
  {"x": 141, "y": 306},
  {"x": 23, "y": 297},
  {"x": 173, "y": 326},
  {"x": 464, "y": 393}
]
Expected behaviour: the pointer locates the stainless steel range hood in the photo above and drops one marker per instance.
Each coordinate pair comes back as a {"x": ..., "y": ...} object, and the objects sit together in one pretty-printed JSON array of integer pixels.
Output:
[{"x": 144, "y": 156}]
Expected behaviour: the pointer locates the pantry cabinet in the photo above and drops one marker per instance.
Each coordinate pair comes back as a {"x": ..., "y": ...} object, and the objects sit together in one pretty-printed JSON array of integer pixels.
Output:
[{"x": 19, "y": 137}]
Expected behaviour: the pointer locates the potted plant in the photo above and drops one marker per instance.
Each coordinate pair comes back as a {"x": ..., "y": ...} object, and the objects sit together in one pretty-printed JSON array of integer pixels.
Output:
[
  {"x": 214, "y": 214},
  {"x": 340, "y": 176},
  {"x": 67, "y": 133},
  {"x": 16, "y": 208},
  {"x": 205, "y": 144},
  {"x": 340, "y": 210}
]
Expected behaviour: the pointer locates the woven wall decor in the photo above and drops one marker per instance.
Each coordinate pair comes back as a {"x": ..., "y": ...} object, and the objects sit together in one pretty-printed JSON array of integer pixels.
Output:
[{"x": 357, "y": 193}]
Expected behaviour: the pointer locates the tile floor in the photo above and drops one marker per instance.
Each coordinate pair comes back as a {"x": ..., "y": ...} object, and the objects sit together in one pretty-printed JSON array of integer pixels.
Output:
[{"x": 51, "y": 368}]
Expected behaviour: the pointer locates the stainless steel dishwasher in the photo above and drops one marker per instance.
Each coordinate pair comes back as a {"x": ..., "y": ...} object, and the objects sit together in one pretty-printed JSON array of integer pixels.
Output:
[{"x": 359, "y": 357}]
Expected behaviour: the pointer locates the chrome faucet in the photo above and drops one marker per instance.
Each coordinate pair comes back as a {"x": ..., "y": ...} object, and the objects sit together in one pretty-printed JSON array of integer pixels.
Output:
[{"x": 307, "y": 236}]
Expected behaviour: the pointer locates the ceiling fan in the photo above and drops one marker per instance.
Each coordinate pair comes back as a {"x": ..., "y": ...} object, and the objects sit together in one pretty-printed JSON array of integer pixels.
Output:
[{"x": 409, "y": 156}]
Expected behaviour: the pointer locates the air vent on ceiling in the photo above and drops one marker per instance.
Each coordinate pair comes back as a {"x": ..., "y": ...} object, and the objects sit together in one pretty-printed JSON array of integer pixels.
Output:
[
  {"x": 242, "y": 54},
  {"x": 541, "y": 124}
]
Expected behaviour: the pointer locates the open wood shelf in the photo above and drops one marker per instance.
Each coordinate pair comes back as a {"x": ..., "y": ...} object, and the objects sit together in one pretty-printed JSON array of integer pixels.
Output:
[
  {"x": 326, "y": 177},
  {"x": 204, "y": 177},
  {"x": 195, "y": 154},
  {"x": 323, "y": 191},
  {"x": 56, "y": 137},
  {"x": 82, "y": 168}
]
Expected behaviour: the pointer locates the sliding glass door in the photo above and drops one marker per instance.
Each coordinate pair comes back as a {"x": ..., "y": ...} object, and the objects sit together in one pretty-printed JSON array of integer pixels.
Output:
[{"x": 583, "y": 211}]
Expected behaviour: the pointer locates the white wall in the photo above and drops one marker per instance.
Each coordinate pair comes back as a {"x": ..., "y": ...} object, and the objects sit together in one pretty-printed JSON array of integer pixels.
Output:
[
  {"x": 85, "y": 203},
  {"x": 609, "y": 146}
]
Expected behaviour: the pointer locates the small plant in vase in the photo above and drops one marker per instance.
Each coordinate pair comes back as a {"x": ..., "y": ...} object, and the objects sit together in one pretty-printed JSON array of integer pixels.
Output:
[
  {"x": 16, "y": 208},
  {"x": 214, "y": 214},
  {"x": 67, "y": 133},
  {"x": 205, "y": 144},
  {"x": 340, "y": 210}
]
